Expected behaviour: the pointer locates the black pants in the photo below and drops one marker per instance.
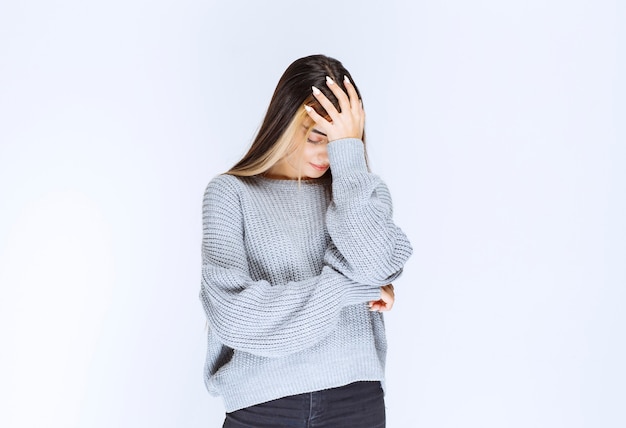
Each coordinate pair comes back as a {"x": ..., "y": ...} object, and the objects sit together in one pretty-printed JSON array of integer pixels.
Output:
[{"x": 358, "y": 405}]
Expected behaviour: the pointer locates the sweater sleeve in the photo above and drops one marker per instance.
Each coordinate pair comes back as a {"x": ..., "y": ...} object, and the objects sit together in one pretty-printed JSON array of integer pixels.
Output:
[
  {"x": 256, "y": 316},
  {"x": 368, "y": 247}
]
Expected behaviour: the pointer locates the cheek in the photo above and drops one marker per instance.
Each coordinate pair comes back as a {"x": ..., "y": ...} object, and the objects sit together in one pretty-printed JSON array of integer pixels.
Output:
[{"x": 309, "y": 153}]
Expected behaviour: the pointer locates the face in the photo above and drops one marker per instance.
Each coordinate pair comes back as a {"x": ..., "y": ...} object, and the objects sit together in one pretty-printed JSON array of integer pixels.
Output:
[{"x": 310, "y": 158}]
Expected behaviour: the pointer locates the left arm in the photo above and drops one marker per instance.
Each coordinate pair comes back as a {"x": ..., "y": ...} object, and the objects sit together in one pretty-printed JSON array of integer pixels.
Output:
[{"x": 370, "y": 248}]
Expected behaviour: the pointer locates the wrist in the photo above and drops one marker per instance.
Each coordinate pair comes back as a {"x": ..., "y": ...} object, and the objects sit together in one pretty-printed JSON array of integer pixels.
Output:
[{"x": 346, "y": 155}]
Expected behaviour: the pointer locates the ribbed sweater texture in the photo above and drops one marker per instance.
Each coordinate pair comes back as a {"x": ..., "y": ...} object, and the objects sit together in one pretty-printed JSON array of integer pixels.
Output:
[{"x": 288, "y": 267}]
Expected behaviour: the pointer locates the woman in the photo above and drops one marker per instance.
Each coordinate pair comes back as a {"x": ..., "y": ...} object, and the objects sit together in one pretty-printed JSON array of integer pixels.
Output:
[{"x": 298, "y": 263}]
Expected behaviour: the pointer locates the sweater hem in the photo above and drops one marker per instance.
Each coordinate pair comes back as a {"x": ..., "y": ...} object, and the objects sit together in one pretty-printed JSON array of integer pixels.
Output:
[{"x": 232, "y": 403}]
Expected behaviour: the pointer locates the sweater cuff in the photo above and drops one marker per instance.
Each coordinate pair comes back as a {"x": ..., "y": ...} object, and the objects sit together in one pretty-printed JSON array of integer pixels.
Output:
[
  {"x": 356, "y": 295},
  {"x": 346, "y": 155}
]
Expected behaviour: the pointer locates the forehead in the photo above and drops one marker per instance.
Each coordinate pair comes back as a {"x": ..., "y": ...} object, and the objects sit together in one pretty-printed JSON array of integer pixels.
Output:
[{"x": 308, "y": 123}]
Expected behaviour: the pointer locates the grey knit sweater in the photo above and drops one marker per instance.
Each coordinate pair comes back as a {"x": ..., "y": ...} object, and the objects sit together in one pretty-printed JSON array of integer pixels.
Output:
[{"x": 287, "y": 271}]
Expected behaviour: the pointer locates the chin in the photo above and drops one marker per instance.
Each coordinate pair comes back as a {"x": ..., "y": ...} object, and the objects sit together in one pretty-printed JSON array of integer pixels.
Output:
[{"x": 314, "y": 174}]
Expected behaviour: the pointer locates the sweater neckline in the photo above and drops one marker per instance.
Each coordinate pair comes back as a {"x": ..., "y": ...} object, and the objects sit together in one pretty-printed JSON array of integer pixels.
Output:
[{"x": 285, "y": 182}]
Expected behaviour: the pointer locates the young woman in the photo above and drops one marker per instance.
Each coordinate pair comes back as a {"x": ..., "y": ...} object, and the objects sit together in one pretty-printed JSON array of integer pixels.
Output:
[{"x": 298, "y": 254}]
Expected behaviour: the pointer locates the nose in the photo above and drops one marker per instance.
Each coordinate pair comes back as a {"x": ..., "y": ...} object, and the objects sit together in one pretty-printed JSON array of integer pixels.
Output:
[{"x": 322, "y": 155}]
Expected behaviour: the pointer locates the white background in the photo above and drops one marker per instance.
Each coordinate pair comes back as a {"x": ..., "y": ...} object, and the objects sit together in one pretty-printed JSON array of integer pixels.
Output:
[{"x": 498, "y": 126}]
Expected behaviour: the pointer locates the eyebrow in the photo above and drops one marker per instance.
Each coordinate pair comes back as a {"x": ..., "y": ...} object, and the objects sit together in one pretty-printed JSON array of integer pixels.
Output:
[{"x": 317, "y": 131}]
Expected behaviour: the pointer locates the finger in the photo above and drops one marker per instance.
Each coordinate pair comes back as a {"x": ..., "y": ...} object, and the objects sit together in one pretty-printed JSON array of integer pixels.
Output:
[
  {"x": 320, "y": 120},
  {"x": 342, "y": 97},
  {"x": 376, "y": 307},
  {"x": 383, "y": 307},
  {"x": 376, "y": 304},
  {"x": 355, "y": 102},
  {"x": 325, "y": 102},
  {"x": 361, "y": 116},
  {"x": 388, "y": 299}
]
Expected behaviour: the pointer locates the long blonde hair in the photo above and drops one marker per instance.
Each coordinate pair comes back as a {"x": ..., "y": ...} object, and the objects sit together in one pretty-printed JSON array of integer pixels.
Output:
[{"x": 285, "y": 144}]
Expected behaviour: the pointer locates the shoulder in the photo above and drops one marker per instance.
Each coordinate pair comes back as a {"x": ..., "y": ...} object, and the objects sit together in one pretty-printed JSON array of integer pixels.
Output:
[
  {"x": 226, "y": 183},
  {"x": 223, "y": 190}
]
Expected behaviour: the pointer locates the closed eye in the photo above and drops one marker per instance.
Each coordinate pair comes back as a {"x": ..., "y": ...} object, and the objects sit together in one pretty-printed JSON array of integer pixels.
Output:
[{"x": 316, "y": 136}]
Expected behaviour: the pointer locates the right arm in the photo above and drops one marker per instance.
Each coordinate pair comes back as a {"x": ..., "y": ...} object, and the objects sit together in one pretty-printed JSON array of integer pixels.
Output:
[{"x": 256, "y": 316}]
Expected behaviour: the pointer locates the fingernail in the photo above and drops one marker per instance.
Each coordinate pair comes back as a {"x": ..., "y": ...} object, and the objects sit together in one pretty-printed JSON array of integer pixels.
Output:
[
  {"x": 345, "y": 79},
  {"x": 315, "y": 90},
  {"x": 329, "y": 80},
  {"x": 307, "y": 108}
]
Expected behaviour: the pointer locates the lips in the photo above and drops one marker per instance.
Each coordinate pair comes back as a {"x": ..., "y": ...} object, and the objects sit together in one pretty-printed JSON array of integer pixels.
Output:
[{"x": 320, "y": 167}]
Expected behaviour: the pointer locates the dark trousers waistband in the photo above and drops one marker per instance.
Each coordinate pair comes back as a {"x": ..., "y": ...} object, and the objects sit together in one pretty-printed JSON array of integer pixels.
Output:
[{"x": 359, "y": 404}]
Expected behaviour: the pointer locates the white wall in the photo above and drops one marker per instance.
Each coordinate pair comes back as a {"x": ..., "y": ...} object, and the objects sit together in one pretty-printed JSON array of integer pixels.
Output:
[{"x": 499, "y": 127}]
